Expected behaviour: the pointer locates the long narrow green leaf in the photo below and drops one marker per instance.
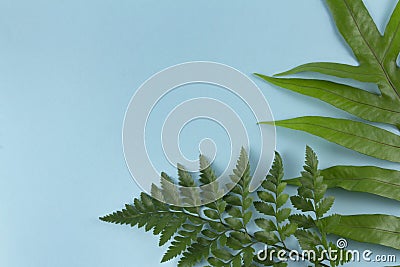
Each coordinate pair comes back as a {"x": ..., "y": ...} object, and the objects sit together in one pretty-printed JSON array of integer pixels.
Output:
[
  {"x": 355, "y": 101},
  {"x": 359, "y": 73},
  {"x": 391, "y": 39},
  {"x": 367, "y": 179},
  {"x": 360, "y": 32},
  {"x": 376, "y": 54},
  {"x": 357, "y": 28},
  {"x": 372, "y": 228},
  {"x": 361, "y": 137},
  {"x": 392, "y": 49}
]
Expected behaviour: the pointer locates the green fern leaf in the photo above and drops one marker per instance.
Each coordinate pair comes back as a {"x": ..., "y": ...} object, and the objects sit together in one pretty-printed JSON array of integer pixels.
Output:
[
  {"x": 217, "y": 232},
  {"x": 324, "y": 206},
  {"x": 272, "y": 201},
  {"x": 308, "y": 240},
  {"x": 303, "y": 221}
]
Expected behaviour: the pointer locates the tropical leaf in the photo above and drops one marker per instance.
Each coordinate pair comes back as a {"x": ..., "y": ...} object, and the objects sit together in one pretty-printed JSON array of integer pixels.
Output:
[
  {"x": 358, "y": 136},
  {"x": 373, "y": 228},
  {"x": 377, "y": 56},
  {"x": 369, "y": 179},
  {"x": 358, "y": 102}
]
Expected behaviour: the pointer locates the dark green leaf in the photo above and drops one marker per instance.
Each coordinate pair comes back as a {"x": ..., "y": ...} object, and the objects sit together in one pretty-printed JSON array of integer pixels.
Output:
[
  {"x": 302, "y": 204},
  {"x": 216, "y": 262},
  {"x": 234, "y": 223},
  {"x": 303, "y": 221},
  {"x": 208, "y": 233},
  {"x": 283, "y": 214},
  {"x": 212, "y": 214},
  {"x": 308, "y": 240},
  {"x": 281, "y": 200},
  {"x": 222, "y": 254},
  {"x": 248, "y": 256},
  {"x": 269, "y": 238},
  {"x": 265, "y": 224},
  {"x": 265, "y": 196},
  {"x": 233, "y": 243},
  {"x": 247, "y": 217},
  {"x": 264, "y": 208},
  {"x": 289, "y": 229},
  {"x": 280, "y": 188},
  {"x": 233, "y": 200},
  {"x": 242, "y": 237},
  {"x": 324, "y": 206}
]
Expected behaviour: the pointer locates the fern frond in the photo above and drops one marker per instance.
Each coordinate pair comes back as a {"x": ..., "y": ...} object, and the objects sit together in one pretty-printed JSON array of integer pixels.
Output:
[
  {"x": 239, "y": 200},
  {"x": 311, "y": 198},
  {"x": 218, "y": 232},
  {"x": 272, "y": 199},
  {"x": 215, "y": 232}
]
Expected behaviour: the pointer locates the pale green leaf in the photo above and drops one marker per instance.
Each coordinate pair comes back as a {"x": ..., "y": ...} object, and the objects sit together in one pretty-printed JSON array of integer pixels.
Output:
[
  {"x": 361, "y": 137},
  {"x": 368, "y": 179},
  {"x": 372, "y": 228},
  {"x": 355, "y": 101}
]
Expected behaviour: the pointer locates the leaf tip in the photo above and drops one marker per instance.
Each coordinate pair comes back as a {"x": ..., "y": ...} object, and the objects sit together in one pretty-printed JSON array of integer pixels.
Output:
[{"x": 266, "y": 122}]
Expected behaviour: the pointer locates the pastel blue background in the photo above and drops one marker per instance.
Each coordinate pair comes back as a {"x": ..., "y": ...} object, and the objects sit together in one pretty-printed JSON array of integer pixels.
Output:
[{"x": 67, "y": 72}]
